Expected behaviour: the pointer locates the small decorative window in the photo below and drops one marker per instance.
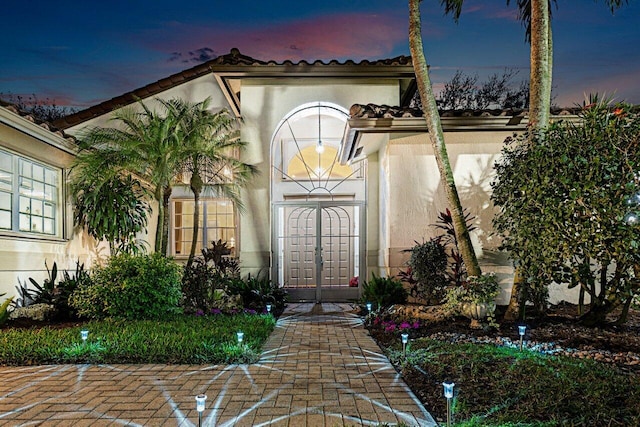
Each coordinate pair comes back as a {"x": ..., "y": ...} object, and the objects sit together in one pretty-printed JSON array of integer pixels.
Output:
[{"x": 29, "y": 194}]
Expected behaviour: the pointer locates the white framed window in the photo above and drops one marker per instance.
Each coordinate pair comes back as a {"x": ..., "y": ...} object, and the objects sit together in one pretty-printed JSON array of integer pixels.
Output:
[
  {"x": 29, "y": 195},
  {"x": 217, "y": 222}
]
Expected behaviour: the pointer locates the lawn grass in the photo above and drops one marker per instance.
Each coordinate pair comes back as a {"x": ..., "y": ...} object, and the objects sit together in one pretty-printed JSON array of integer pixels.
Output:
[
  {"x": 498, "y": 386},
  {"x": 178, "y": 340}
]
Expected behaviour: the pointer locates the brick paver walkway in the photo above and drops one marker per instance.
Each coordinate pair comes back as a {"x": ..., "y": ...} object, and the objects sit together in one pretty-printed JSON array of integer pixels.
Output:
[{"x": 319, "y": 368}]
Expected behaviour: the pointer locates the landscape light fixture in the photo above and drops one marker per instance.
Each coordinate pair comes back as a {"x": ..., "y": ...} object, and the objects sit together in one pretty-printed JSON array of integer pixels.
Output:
[
  {"x": 448, "y": 394},
  {"x": 631, "y": 218},
  {"x": 240, "y": 337},
  {"x": 369, "y": 307},
  {"x": 268, "y": 308},
  {"x": 521, "y": 330},
  {"x": 200, "y": 399},
  {"x": 405, "y": 340},
  {"x": 84, "y": 334}
]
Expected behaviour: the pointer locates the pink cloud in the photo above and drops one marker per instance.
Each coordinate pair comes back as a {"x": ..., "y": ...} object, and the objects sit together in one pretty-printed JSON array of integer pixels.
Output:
[
  {"x": 338, "y": 36},
  {"x": 622, "y": 86}
]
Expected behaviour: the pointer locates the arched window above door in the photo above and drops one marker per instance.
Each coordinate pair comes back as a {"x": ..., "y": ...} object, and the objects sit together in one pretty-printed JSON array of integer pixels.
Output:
[{"x": 305, "y": 153}]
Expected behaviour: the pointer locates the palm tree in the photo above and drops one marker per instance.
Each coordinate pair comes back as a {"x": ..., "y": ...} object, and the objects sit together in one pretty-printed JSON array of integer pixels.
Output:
[
  {"x": 210, "y": 145},
  {"x": 436, "y": 136},
  {"x": 141, "y": 143}
]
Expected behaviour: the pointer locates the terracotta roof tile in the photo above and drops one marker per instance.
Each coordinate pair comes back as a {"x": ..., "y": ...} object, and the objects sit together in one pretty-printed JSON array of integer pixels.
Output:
[
  {"x": 372, "y": 111},
  {"x": 43, "y": 124},
  {"x": 234, "y": 61}
]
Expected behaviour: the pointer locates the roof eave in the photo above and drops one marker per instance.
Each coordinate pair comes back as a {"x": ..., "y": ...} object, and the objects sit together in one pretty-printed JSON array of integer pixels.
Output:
[{"x": 358, "y": 127}]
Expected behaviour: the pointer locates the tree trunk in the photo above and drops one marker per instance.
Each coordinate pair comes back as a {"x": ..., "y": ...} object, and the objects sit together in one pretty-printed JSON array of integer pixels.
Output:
[
  {"x": 436, "y": 136},
  {"x": 159, "y": 228},
  {"x": 513, "y": 310},
  {"x": 541, "y": 62},
  {"x": 196, "y": 188},
  {"x": 541, "y": 59},
  {"x": 165, "y": 220}
]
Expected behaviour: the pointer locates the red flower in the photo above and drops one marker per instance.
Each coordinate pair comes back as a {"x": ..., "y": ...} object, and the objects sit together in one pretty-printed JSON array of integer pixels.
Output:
[{"x": 353, "y": 283}]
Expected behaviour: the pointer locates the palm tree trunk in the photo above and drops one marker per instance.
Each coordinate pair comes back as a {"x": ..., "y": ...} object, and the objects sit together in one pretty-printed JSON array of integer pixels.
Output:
[
  {"x": 165, "y": 220},
  {"x": 159, "y": 227},
  {"x": 196, "y": 187},
  {"x": 436, "y": 136},
  {"x": 539, "y": 106},
  {"x": 541, "y": 61}
]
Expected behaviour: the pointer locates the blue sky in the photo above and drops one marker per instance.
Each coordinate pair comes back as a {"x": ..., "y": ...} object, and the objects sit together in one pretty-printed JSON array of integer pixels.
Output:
[{"x": 82, "y": 53}]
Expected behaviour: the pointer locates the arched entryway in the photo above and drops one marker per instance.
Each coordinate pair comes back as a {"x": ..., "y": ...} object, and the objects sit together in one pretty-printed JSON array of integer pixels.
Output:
[{"x": 318, "y": 207}]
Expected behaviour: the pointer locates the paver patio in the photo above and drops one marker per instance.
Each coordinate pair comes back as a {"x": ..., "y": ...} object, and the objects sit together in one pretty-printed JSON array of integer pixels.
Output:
[{"x": 318, "y": 368}]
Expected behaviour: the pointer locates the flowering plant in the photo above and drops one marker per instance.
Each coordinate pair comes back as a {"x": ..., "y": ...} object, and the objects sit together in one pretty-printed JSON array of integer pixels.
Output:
[
  {"x": 392, "y": 326},
  {"x": 353, "y": 282}
]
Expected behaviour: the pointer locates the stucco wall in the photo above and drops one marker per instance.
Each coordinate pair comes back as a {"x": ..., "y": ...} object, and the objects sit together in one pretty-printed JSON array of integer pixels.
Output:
[
  {"x": 23, "y": 255},
  {"x": 264, "y": 104},
  {"x": 416, "y": 196}
]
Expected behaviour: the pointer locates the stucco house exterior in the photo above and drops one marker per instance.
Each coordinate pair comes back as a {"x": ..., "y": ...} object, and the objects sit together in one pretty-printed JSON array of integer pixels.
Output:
[
  {"x": 346, "y": 182},
  {"x": 35, "y": 214}
]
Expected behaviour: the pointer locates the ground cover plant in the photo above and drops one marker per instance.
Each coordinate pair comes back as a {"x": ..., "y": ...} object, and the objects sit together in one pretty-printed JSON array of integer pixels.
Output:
[
  {"x": 499, "y": 385},
  {"x": 179, "y": 339},
  {"x": 567, "y": 375}
]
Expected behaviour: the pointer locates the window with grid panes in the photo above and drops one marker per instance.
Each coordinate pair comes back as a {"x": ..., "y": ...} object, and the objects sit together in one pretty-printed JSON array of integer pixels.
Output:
[
  {"x": 28, "y": 195},
  {"x": 217, "y": 222}
]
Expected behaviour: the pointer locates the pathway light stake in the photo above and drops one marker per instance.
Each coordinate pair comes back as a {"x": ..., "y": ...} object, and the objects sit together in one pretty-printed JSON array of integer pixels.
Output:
[
  {"x": 240, "y": 337},
  {"x": 84, "y": 334},
  {"x": 405, "y": 340},
  {"x": 200, "y": 399},
  {"x": 268, "y": 308},
  {"x": 521, "y": 330},
  {"x": 368, "y": 307},
  {"x": 448, "y": 394}
]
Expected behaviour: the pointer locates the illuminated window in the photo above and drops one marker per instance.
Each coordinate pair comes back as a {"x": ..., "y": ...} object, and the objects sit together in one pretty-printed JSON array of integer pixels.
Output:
[
  {"x": 28, "y": 195},
  {"x": 217, "y": 222}
]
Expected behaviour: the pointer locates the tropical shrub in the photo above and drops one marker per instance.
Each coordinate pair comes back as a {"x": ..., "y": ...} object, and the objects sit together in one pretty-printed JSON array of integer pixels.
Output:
[
  {"x": 4, "y": 310},
  {"x": 258, "y": 291},
  {"x": 428, "y": 265},
  {"x": 569, "y": 208},
  {"x": 431, "y": 268},
  {"x": 383, "y": 292},
  {"x": 52, "y": 293},
  {"x": 114, "y": 210},
  {"x": 207, "y": 276},
  {"x": 132, "y": 287}
]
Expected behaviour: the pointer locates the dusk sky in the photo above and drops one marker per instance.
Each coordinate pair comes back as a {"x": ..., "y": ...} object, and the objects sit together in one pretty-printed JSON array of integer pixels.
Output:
[{"x": 80, "y": 53}]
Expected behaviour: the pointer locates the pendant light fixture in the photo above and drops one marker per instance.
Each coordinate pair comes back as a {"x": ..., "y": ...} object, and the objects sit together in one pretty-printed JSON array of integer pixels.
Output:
[{"x": 319, "y": 146}]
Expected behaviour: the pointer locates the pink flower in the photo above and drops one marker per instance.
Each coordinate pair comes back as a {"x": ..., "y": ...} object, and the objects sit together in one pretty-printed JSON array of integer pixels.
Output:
[
  {"x": 405, "y": 325},
  {"x": 390, "y": 328},
  {"x": 416, "y": 325}
]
